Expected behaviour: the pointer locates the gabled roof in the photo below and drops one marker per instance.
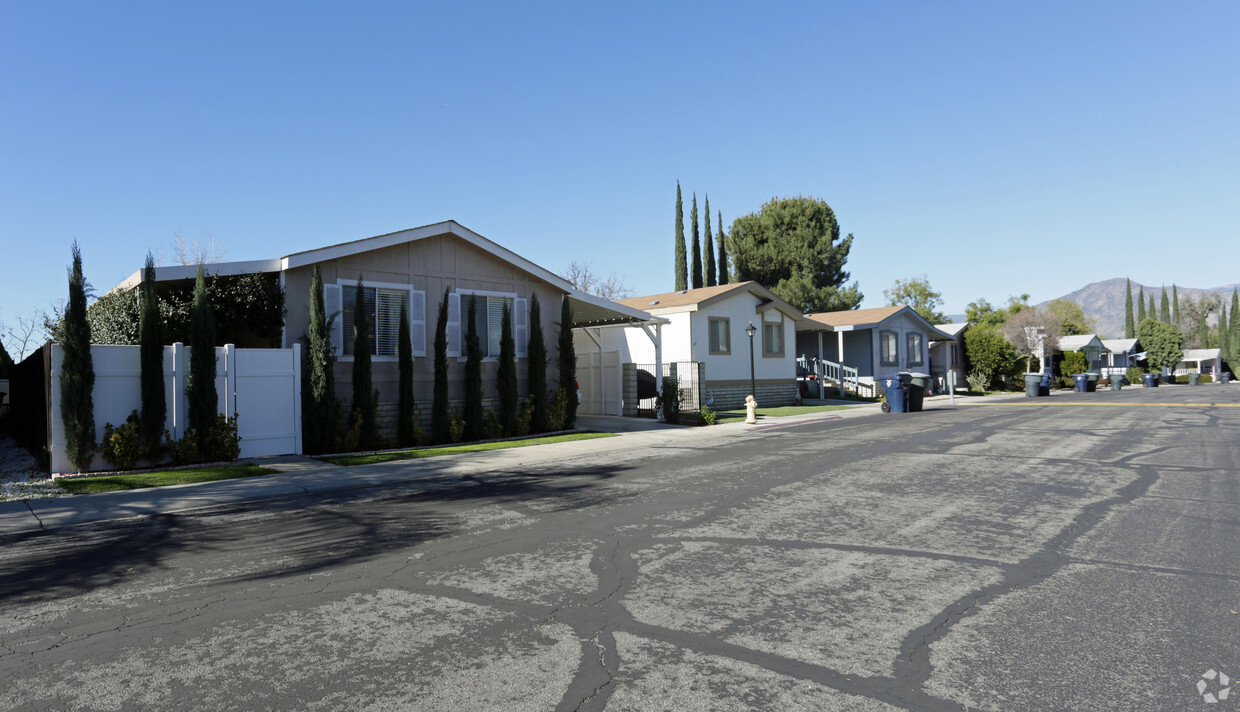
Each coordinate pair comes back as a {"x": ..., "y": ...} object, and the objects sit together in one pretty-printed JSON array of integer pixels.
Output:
[
  {"x": 1078, "y": 342},
  {"x": 855, "y": 319},
  {"x": 1120, "y": 346},
  {"x": 952, "y": 329},
  {"x": 1200, "y": 354},
  {"x": 694, "y": 299}
]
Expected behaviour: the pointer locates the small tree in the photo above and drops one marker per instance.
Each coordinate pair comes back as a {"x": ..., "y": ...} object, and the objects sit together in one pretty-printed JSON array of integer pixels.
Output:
[
  {"x": 989, "y": 353},
  {"x": 474, "y": 416},
  {"x": 200, "y": 389},
  {"x": 568, "y": 363},
  {"x": 77, "y": 372},
  {"x": 723, "y": 253},
  {"x": 1071, "y": 317},
  {"x": 918, "y": 294},
  {"x": 441, "y": 418},
  {"x": 682, "y": 257},
  {"x": 404, "y": 349},
  {"x": 1032, "y": 331},
  {"x": 320, "y": 413},
  {"x": 1163, "y": 342},
  {"x": 506, "y": 378},
  {"x": 151, "y": 356},
  {"x": 537, "y": 376},
  {"x": 363, "y": 388},
  {"x": 709, "y": 249}
]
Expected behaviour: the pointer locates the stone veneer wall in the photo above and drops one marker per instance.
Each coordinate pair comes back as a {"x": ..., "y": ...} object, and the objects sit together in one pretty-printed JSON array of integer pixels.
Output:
[{"x": 730, "y": 395}]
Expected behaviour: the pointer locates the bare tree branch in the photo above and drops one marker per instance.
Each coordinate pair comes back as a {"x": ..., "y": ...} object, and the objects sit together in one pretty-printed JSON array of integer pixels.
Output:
[
  {"x": 192, "y": 251},
  {"x": 584, "y": 279}
]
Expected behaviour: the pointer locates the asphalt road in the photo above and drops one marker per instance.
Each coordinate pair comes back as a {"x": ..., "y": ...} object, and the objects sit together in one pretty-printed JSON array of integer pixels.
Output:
[{"x": 1071, "y": 553}]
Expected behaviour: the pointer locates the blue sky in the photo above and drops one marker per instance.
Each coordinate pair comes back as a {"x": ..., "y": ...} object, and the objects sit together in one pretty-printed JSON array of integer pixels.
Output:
[{"x": 996, "y": 148}]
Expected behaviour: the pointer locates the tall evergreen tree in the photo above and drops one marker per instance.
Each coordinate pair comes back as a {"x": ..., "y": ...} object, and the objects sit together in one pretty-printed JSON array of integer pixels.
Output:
[
  {"x": 404, "y": 391},
  {"x": 1164, "y": 312},
  {"x": 722, "y": 264},
  {"x": 1224, "y": 342},
  {"x": 1175, "y": 305},
  {"x": 319, "y": 409},
  {"x": 1233, "y": 330},
  {"x": 710, "y": 248},
  {"x": 537, "y": 376},
  {"x": 1152, "y": 312},
  {"x": 696, "y": 274},
  {"x": 363, "y": 384},
  {"x": 506, "y": 377},
  {"x": 441, "y": 418},
  {"x": 151, "y": 356},
  {"x": 474, "y": 417},
  {"x": 568, "y": 363},
  {"x": 1140, "y": 306},
  {"x": 1203, "y": 331},
  {"x": 200, "y": 389},
  {"x": 77, "y": 372},
  {"x": 682, "y": 258},
  {"x": 1130, "y": 324}
]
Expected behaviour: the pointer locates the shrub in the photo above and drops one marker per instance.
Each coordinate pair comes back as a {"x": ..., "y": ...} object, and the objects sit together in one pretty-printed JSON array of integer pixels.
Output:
[
  {"x": 222, "y": 443},
  {"x": 525, "y": 415},
  {"x": 351, "y": 437},
  {"x": 670, "y": 405},
  {"x": 122, "y": 446},
  {"x": 978, "y": 381},
  {"x": 1205, "y": 378},
  {"x": 708, "y": 415},
  {"x": 1134, "y": 375},
  {"x": 492, "y": 430},
  {"x": 1074, "y": 362},
  {"x": 1064, "y": 382},
  {"x": 456, "y": 428},
  {"x": 558, "y": 411}
]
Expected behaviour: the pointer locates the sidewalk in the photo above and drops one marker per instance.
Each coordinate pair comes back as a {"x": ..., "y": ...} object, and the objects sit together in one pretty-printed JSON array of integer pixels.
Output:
[{"x": 300, "y": 476}]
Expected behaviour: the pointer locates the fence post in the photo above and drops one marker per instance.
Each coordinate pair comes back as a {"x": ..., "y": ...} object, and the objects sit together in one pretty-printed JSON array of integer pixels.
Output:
[
  {"x": 230, "y": 380},
  {"x": 180, "y": 370},
  {"x": 297, "y": 396}
]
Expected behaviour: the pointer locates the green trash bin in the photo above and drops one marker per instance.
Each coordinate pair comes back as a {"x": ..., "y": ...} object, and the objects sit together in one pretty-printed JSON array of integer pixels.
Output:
[
  {"x": 918, "y": 386},
  {"x": 1117, "y": 382},
  {"x": 1032, "y": 381},
  {"x": 1193, "y": 378}
]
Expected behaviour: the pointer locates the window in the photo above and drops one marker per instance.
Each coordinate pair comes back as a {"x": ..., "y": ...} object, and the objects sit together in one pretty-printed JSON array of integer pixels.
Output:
[
  {"x": 381, "y": 318},
  {"x": 720, "y": 335},
  {"x": 914, "y": 349},
  {"x": 488, "y": 319},
  {"x": 773, "y": 338},
  {"x": 887, "y": 349}
]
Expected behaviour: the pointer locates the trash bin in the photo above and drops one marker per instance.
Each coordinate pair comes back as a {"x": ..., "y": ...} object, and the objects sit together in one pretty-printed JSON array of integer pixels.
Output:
[
  {"x": 1032, "y": 382},
  {"x": 1149, "y": 380},
  {"x": 1044, "y": 388},
  {"x": 1093, "y": 381},
  {"x": 1117, "y": 382},
  {"x": 1193, "y": 378},
  {"x": 918, "y": 386},
  {"x": 894, "y": 388},
  {"x": 1225, "y": 377},
  {"x": 1082, "y": 382}
]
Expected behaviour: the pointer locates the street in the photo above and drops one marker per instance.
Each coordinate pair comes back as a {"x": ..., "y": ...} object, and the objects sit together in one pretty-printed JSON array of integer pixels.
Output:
[{"x": 1077, "y": 552}]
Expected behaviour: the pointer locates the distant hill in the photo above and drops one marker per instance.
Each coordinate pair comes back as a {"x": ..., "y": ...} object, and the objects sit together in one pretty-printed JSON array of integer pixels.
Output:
[{"x": 1104, "y": 301}]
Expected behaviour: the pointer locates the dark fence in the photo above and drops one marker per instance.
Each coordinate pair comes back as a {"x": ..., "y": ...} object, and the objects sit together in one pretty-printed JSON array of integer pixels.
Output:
[
  {"x": 689, "y": 386},
  {"x": 26, "y": 418}
]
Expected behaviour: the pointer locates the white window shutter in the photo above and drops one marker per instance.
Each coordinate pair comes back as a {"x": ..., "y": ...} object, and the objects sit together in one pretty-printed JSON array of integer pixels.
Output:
[
  {"x": 454, "y": 324},
  {"x": 521, "y": 327},
  {"x": 387, "y": 315},
  {"x": 417, "y": 321},
  {"x": 335, "y": 316}
]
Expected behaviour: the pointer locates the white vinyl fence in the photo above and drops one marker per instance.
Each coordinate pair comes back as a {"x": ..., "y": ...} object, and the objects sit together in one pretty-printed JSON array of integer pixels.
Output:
[{"x": 262, "y": 386}]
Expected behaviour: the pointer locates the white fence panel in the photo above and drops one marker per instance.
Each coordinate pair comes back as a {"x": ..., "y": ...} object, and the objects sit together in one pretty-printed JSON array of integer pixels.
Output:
[
  {"x": 268, "y": 399},
  {"x": 600, "y": 381}
]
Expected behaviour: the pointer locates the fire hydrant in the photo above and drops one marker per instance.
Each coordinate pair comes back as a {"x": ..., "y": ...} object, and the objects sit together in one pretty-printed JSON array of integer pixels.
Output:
[{"x": 751, "y": 408}]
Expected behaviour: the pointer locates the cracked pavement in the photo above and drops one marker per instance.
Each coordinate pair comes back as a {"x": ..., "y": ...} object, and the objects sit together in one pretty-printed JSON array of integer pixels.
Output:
[{"x": 1022, "y": 554}]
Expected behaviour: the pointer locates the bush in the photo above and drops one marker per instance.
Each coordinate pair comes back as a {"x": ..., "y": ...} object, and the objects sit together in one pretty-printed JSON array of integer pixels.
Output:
[
  {"x": 221, "y": 444},
  {"x": 669, "y": 405},
  {"x": 558, "y": 411},
  {"x": 708, "y": 415},
  {"x": 1205, "y": 378},
  {"x": 456, "y": 428},
  {"x": 978, "y": 381},
  {"x": 1134, "y": 375},
  {"x": 122, "y": 446},
  {"x": 1074, "y": 362},
  {"x": 492, "y": 430},
  {"x": 1064, "y": 382},
  {"x": 525, "y": 415}
]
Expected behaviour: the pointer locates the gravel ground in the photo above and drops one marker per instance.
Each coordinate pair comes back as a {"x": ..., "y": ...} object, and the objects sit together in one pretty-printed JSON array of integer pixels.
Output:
[{"x": 20, "y": 477}]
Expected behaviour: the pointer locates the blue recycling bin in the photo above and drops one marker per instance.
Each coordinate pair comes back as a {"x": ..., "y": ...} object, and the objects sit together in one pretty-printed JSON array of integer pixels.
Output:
[
  {"x": 896, "y": 402},
  {"x": 1149, "y": 380},
  {"x": 1082, "y": 382}
]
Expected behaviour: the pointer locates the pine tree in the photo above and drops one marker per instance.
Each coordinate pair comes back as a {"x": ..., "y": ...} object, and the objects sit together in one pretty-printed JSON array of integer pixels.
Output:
[
  {"x": 474, "y": 417},
  {"x": 1175, "y": 305},
  {"x": 363, "y": 386},
  {"x": 441, "y": 418},
  {"x": 682, "y": 262},
  {"x": 200, "y": 389},
  {"x": 537, "y": 375},
  {"x": 404, "y": 391},
  {"x": 151, "y": 356},
  {"x": 506, "y": 378},
  {"x": 1130, "y": 325},
  {"x": 319, "y": 409},
  {"x": 710, "y": 248},
  {"x": 568, "y": 363},
  {"x": 697, "y": 248},
  {"x": 1140, "y": 307},
  {"x": 77, "y": 372},
  {"x": 1164, "y": 313},
  {"x": 722, "y": 264}
]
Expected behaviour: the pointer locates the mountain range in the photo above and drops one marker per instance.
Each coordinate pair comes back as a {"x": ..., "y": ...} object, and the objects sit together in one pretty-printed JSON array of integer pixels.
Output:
[{"x": 1104, "y": 301}]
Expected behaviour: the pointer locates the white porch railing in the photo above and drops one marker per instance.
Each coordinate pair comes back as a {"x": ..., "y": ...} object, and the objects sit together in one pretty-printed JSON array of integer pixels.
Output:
[{"x": 841, "y": 375}]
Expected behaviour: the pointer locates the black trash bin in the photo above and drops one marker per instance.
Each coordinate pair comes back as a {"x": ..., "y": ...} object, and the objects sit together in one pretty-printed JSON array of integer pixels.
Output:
[
  {"x": 1092, "y": 383},
  {"x": 1149, "y": 380},
  {"x": 893, "y": 387},
  {"x": 918, "y": 385}
]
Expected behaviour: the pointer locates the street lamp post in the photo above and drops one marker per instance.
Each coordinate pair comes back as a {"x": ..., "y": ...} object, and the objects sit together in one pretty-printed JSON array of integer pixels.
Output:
[{"x": 751, "y": 330}]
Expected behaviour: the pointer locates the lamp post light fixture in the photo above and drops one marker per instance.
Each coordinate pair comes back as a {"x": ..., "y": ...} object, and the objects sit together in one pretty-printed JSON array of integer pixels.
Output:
[{"x": 751, "y": 330}]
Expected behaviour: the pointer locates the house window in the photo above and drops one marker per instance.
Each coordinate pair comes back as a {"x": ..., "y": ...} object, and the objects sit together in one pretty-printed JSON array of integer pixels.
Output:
[
  {"x": 720, "y": 335},
  {"x": 382, "y": 318},
  {"x": 914, "y": 350},
  {"x": 488, "y": 319},
  {"x": 773, "y": 338},
  {"x": 887, "y": 349}
]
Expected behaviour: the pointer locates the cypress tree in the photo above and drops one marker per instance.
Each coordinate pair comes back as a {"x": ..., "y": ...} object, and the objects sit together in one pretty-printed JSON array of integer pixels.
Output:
[
  {"x": 1203, "y": 331},
  {"x": 1175, "y": 305},
  {"x": 506, "y": 378},
  {"x": 710, "y": 248},
  {"x": 77, "y": 372},
  {"x": 1224, "y": 343},
  {"x": 474, "y": 417},
  {"x": 568, "y": 363},
  {"x": 441, "y": 419},
  {"x": 404, "y": 392},
  {"x": 722, "y": 264},
  {"x": 363, "y": 388},
  {"x": 682, "y": 266},
  {"x": 319, "y": 409},
  {"x": 200, "y": 389},
  {"x": 151, "y": 350},
  {"x": 697, "y": 247},
  {"x": 537, "y": 375},
  {"x": 1130, "y": 326},
  {"x": 1152, "y": 312},
  {"x": 1140, "y": 307},
  {"x": 1164, "y": 313},
  {"x": 1233, "y": 328}
]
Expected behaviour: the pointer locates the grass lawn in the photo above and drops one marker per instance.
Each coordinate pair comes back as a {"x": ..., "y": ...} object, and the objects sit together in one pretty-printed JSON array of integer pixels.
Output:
[
  {"x": 726, "y": 415},
  {"x": 416, "y": 453},
  {"x": 143, "y": 480}
]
